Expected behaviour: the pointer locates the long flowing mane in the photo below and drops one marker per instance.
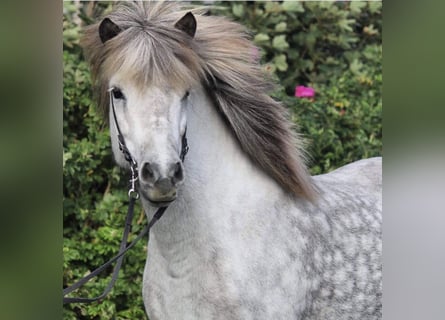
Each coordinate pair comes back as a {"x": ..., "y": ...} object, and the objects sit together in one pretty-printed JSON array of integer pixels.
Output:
[{"x": 221, "y": 57}]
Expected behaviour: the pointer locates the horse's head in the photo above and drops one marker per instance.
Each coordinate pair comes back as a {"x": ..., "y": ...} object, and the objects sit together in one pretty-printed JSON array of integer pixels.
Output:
[
  {"x": 153, "y": 124},
  {"x": 148, "y": 54},
  {"x": 150, "y": 117}
]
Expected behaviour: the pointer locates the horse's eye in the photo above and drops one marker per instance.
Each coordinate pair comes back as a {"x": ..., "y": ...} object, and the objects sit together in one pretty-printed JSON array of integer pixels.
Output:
[
  {"x": 117, "y": 93},
  {"x": 186, "y": 95}
]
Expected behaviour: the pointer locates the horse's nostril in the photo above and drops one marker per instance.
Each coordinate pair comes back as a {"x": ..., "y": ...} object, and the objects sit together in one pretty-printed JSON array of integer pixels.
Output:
[
  {"x": 178, "y": 175},
  {"x": 150, "y": 173},
  {"x": 177, "y": 167},
  {"x": 147, "y": 172}
]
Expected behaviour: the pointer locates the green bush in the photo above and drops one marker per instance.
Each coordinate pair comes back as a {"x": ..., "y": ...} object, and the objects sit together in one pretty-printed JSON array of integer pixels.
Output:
[{"x": 333, "y": 47}]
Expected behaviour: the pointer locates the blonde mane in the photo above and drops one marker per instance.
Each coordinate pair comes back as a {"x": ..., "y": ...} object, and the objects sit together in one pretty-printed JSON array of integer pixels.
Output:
[{"x": 220, "y": 56}]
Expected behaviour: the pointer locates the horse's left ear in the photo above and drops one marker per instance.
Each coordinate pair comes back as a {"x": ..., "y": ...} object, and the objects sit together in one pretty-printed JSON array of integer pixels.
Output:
[
  {"x": 187, "y": 24},
  {"x": 108, "y": 30}
]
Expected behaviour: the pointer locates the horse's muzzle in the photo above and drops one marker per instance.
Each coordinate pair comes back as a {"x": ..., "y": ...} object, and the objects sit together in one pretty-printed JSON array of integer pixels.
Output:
[
  {"x": 159, "y": 187},
  {"x": 159, "y": 196}
]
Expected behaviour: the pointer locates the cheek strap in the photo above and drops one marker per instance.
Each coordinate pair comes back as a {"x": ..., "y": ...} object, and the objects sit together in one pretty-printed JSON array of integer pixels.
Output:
[
  {"x": 185, "y": 146},
  {"x": 120, "y": 137}
]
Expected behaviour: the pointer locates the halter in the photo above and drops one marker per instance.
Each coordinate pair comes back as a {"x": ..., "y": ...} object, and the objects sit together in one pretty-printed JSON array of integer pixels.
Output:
[
  {"x": 133, "y": 195},
  {"x": 127, "y": 154},
  {"x": 123, "y": 148}
]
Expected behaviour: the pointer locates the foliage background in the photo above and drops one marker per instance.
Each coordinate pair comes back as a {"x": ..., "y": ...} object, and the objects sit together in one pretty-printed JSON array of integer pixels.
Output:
[{"x": 334, "y": 47}]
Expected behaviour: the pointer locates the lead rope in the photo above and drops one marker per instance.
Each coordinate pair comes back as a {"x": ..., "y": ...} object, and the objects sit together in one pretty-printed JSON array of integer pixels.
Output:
[
  {"x": 133, "y": 195},
  {"x": 119, "y": 258}
]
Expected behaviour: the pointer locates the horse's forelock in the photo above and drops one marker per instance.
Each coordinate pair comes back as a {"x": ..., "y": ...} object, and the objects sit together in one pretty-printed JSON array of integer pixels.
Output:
[{"x": 149, "y": 49}]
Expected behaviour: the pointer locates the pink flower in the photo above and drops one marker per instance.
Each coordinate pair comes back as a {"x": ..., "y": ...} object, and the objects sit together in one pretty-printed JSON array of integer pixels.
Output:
[{"x": 304, "y": 92}]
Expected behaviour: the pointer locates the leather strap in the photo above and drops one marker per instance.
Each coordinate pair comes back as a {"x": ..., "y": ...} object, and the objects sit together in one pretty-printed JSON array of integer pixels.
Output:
[{"x": 119, "y": 257}]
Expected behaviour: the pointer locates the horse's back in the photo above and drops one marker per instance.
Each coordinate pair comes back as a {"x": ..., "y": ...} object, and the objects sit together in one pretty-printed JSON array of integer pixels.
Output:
[
  {"x": 346, "y": 243},
  {"x": 366, "y": 172}
]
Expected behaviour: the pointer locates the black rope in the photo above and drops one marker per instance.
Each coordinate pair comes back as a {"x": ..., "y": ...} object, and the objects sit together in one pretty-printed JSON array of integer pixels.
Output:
[
  {"x": 185, "y": 146},
  {"x": 119, "y": 257}
]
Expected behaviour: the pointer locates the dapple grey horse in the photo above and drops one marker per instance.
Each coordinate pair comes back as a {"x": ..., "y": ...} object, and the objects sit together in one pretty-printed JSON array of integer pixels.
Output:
[{"x": 248, "y": 233}]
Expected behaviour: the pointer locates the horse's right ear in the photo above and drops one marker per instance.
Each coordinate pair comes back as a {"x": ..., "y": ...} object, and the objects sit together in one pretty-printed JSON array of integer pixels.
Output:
[
  {"x": 187, "y": 24},
  {"x": 108, "y": 30}
]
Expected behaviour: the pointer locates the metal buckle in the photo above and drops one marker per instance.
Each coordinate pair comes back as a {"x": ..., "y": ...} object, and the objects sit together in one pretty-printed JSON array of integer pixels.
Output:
[{"x": 132, "y": 193}]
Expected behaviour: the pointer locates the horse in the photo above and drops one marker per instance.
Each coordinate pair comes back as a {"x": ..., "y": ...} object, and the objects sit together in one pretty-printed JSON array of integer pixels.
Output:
[{"x": 247, "y": 233}]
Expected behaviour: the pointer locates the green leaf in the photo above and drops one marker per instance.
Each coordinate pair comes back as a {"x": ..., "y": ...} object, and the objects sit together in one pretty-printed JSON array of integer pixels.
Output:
[
  {"x": 280, "y": 62},
  {"x": 310, "y": 40},
  {"x": 375, "y": 6},
  {"x": 292, "y": 6},
  {"x": 261, "y": 38},
  {"x": 344, "y": 24},
  {"x": 271, "y": 6},
  {"x": 356, "y": 66},
  {"x": 370, "y": 30},
  {"x": 308, "y": 64},
  {"x": 66, "y": 157},
  {"x": 357, "y": 6},
  {"x": 280, "y": 43},
  {"x": 282, "y": 26},
  {"x": 238, "y": 10}
]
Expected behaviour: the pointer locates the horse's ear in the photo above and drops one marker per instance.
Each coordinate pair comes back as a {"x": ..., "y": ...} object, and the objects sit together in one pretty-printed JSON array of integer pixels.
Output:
[
  {"x": 108, "y": 30},
  {"x": 187, "y": 24}
]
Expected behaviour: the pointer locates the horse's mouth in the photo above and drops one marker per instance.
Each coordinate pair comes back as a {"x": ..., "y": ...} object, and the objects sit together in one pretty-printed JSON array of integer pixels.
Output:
[{"x": 161, "y": 202}]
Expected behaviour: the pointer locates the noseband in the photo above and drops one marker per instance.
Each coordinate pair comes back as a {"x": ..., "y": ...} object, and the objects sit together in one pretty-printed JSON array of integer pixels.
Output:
[{"x": 133, "y": 195}]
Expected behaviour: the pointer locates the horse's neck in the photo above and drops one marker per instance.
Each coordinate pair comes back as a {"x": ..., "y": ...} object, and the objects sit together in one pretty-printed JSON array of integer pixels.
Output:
[{"x": 223, "y": 189}]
